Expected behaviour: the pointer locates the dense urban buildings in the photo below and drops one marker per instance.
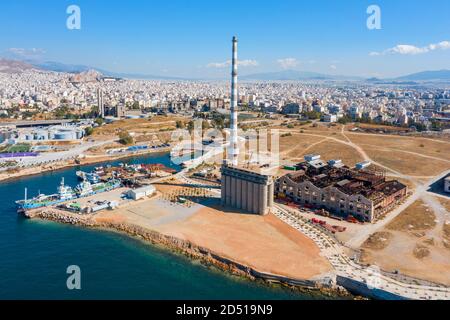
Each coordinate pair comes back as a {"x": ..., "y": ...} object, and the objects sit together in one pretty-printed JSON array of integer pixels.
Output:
[{"x": 27, "y": 94}]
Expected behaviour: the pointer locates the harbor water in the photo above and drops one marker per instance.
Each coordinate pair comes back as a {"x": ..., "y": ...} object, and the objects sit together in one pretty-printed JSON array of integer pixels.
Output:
[{"x": 35, "y": 254}]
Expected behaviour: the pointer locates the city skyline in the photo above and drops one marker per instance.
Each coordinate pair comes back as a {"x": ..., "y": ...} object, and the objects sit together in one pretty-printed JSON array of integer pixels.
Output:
[
  {"x": 288, "y": 150},
  {"x": 189, "y": 39}
]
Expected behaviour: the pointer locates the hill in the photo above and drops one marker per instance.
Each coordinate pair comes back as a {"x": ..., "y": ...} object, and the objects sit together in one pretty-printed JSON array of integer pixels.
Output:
[
  {"x": 14, "y": 66},
  {"x": 294, "y": 75},
  {"x": 427, "y": 76}
]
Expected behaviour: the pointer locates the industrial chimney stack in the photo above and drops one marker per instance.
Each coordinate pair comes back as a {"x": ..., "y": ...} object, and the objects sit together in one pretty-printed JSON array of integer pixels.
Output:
[{"x": 234, "y": 148}]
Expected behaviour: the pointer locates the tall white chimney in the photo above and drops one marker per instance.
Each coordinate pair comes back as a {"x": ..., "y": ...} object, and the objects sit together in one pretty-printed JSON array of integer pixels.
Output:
[{"x": 234, "y": 148}]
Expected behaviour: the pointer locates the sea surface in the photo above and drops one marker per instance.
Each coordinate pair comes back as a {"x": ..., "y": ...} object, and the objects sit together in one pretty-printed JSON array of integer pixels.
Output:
[{"x": 34, "y": 256}]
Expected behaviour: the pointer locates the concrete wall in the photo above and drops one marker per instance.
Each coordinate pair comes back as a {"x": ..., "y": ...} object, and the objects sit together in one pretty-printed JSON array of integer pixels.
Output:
[
  {"x": 246, "y": 191},
  {"x": 447, "y": 185},
  {"x": 360, "y": 288}
]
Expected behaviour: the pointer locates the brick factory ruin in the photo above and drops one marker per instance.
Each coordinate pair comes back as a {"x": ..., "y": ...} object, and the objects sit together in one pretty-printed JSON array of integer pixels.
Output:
[{"x": 344, "y": 191}]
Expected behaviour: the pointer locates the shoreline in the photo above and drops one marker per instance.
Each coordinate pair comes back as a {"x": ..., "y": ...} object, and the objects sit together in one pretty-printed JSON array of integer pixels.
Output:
[
  {"x": 61, "y": 166},
  {"x": 193, "y": 252}
]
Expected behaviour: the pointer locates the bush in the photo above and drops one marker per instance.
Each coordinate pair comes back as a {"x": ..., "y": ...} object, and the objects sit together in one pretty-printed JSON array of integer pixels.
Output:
[
  {"x": 88, "y": 131},
  {"x": 23, "y": 147},
  {"x": 125, "y": 138}
]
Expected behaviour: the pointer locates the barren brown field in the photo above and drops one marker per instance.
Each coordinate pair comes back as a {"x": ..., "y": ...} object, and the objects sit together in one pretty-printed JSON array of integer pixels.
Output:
[
  {"x": 137, "y": 125},
  {"x": 293, "y": 147},
  {"x": 298, "y": 145},
  {"x": 417, "y": 217},
  {"x": 446, "y": 235},
  {"x": 412, "y": 256},
  {"x": 421, "y": 251},
  {"x": 263, "y": 243},
  {"x": 445, "y": 203},
  {"x": 406, "y": 163},
  {"x": 333, "y": 150},
  {"x": 438, "y": 149},
  {"x": 413, "y": 156},
  {"x": 378, "y": 241},
  {"x": 376, "y": 126}
]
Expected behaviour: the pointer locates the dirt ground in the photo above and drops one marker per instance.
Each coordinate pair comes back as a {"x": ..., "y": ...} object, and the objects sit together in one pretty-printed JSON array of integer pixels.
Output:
[
  {"x": 411, "y": 144},
  {"x": 413, "y": 156},
  {"x": 445, "y": 203},
  {"x": 137, "y": 124},
  {"x": 406, "y": 163},
  {"x": 263, "y": 243},
  {"x": 294, "y": 148},
  {"x": 333, "y": 150},
  {"x": 378, "y": 241},
  {"x": 417, "y": 245},
  {"x": 416, "y": 218},
  {"x": 421, "y": 258}
]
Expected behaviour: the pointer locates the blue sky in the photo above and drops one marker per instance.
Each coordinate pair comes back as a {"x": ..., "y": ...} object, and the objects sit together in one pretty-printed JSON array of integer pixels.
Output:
[{"x": 193, "y": 38}]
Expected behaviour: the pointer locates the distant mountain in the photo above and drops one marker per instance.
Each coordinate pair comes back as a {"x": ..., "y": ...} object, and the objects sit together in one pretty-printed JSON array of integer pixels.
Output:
[
  {"x": 427, "y": 76},
  {"x": 139, "y": 76},
  {"x": 374, "y": 79},
  {"x": 75, "y": 68},
  {"x": 14, "y": 66},
  {"x": 294, "y": 75},
  {"x": 60, "y": 67}
]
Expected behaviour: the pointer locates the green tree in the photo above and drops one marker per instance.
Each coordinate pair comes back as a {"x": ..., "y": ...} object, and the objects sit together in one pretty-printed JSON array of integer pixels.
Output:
[
  {"x": 180, "y": 124},
  {"x": 312, "y": 115},
  {"x": 191, "y": 126},
  {"x": 345, "y": 119},
  {"x": 135, "y": 106},
  {"x": 125, "y": 138},
  {"x": 205, "y": 125},
  {"x": 89, "y": 131}
]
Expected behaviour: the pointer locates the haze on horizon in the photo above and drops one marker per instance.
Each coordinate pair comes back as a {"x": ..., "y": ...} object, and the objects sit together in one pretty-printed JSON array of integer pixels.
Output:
[{"x": 193, "y": 39}]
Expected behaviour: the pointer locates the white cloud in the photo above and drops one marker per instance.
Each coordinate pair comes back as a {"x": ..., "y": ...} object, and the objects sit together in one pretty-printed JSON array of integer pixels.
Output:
[
  {"x": 242, "y": 63},
  {"x": 217, "y": 64},
  {"x": 26, "y": 53},
  {"x": 407, "y": 49},
  {"x": 333, "y": 67},
  {"x": 248, "y": 63},
  {"x": 288, "y": 63}
]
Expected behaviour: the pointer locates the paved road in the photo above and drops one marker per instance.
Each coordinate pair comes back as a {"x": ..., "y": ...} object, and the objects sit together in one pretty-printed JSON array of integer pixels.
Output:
[
  {"x": 335, "y": 252},
  {"x": 63, "y": 155},
  {"x": 419, "y": 192},
  {"x": 345, "y": 267}
]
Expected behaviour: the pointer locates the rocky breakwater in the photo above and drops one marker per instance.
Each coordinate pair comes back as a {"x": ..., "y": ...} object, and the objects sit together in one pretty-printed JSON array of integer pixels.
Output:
[
  {"x": 60, "y": 216},
  {"x": 192, "y": 251}
]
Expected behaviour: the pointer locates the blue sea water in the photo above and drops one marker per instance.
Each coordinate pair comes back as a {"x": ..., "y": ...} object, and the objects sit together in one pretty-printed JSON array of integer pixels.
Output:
[{"x": 34, "y": 256}]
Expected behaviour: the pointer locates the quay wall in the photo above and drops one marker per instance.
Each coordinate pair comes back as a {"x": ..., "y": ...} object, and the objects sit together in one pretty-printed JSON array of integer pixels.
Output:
[{"x": 360, "y": 288}]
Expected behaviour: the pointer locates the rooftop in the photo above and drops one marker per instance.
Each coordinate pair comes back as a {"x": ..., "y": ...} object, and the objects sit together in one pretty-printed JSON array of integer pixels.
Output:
[{"x": 372, "y": 185}]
